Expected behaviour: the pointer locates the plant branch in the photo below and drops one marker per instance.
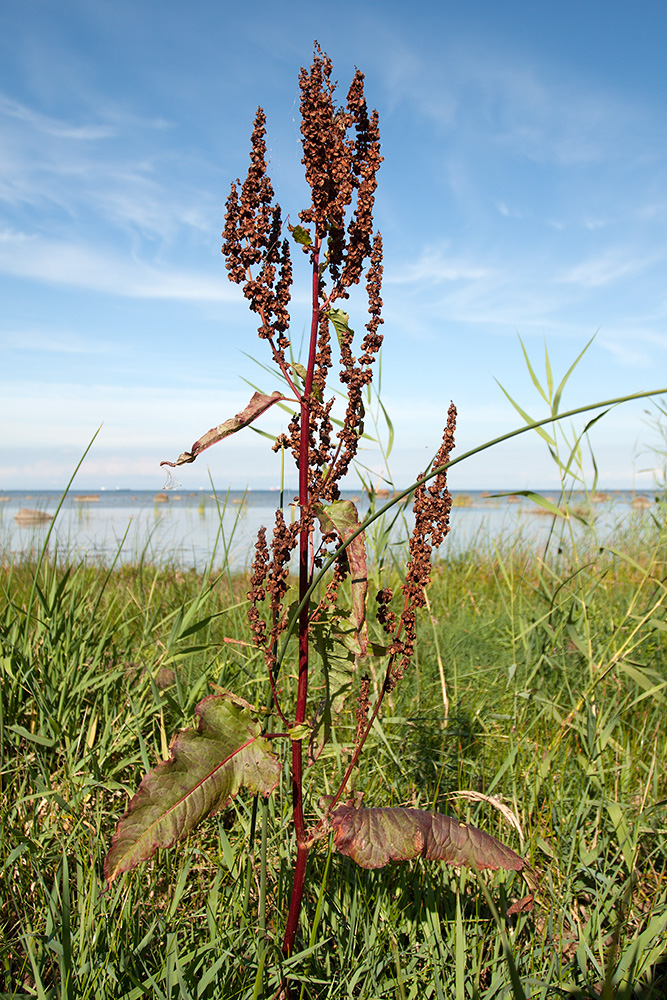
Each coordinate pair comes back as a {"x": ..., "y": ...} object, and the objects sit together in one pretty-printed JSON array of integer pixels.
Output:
[{"x": 437, "y": 471}]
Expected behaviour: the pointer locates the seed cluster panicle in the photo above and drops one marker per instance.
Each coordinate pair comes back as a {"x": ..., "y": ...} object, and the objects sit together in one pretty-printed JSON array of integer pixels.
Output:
[
  {"x": 282, "y": 546},
  {"x": 357, "y": 373},
  {"x": 385, "y": 616},
  {"x": 252, "y": 239},
  {"x": 363, "y": 704},
  {"x": 270, "y": 580},
  {"x": 341, "y": 157},
  {"x": 257, "y": 592},
  {"x": 432, "y": 507},
  {"x": 338, "y": 165},
  {"x": 327, "y": 156}
]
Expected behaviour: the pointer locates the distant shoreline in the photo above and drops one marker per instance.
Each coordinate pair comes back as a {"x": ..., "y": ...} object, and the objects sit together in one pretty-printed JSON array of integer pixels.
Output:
[{"x": 183, "y": 491}]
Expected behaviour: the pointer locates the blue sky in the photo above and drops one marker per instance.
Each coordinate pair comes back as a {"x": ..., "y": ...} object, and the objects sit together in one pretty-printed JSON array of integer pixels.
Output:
[{"x": 524, "y": 191}]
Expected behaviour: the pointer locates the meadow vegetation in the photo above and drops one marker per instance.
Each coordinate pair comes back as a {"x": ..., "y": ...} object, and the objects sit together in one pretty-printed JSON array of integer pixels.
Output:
[
  {"x": 522, "y": 692},
  {"x": 555, "y": 683}
]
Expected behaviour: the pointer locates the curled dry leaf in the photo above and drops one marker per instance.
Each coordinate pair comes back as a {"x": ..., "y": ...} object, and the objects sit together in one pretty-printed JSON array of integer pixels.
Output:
[
  {"x": 372, "y": 837},
  {"x": 508, "y": 815},
  {"x": 206, "y": 769},
  {"x": 257, "y": 405}
]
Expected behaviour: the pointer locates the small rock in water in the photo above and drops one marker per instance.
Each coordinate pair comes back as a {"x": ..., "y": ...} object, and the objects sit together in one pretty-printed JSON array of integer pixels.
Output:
[{"x": 27, "y": 516}]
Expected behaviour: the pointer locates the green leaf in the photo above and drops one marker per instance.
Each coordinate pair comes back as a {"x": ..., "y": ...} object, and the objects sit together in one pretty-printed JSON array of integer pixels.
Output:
[
  {"x": 302, "y": 236},
  {"x": 206, "y": 769},
  {"x": 43, "y": 741},
  {"x": 649, "y": 681},
  {"x": 264, "y": 434},
  {"x": 299, "y": 732},
  {"x": 576, "y": 447},
  {"x": 338, "y": 661},
  {"x": 343, "y": 518},
  {"x": 536, "y": 382},
  {"x": 340, "y": 320},
  {"x": 529, "y": 420},
  {"x": 390, "y": 429},
  {"x": 547, "y": 366},
  {"x": 536, "y": 498},
  {"x": 559, "y": 390},
  {"x": 372, "y": 837},
  {"x": 257, "y": 405}
]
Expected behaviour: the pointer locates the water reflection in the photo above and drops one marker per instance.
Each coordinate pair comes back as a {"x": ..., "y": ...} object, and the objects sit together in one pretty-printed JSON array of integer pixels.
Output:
[{"x": 191, "y": 528}]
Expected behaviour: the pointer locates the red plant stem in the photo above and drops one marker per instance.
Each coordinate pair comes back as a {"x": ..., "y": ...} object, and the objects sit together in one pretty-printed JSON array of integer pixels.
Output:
[
  {"x": 298, "y": 882},
  {"x": 299, "y": 876}
]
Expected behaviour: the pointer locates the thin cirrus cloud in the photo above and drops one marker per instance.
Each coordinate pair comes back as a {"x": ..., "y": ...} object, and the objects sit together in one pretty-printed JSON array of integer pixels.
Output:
[
  {"x": 117, "y": 123},
  {"x": 112, "y": 173},
  {"x": 46, "y": 125},
  {"x": 58, "y": 262},
  {"x": 435, "y": 267},
  {"x": 53, "y": 342},
  {"x": 479, "y": 95},
  {"x": 601, "y": 269}
]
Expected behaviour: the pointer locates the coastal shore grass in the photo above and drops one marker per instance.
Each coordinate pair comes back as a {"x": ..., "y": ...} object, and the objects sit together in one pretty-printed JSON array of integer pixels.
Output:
[{"x": 535, "y": 709}]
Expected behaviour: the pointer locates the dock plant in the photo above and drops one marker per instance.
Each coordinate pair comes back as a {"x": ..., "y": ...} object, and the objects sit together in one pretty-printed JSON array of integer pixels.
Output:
[{"x": 355, "y": 639}]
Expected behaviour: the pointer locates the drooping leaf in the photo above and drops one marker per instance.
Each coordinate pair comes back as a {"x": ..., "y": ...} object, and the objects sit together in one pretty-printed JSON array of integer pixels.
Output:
[
  {"x": 343, "y": 518},
  {"x": 549, "y": 438},
  {"x": 547, "y": 505},
  {"x": 340, "y": 320},
  {"x": 338, "y": 661},
  {"x": 537, "y": 498},
  {"x": 372, "y": 837},
  {"x": 559, "y": 391},
  {"x": 257, "y": 405},
  {"x": 301, "y": 235},
  {"x": 206, "y": 768}
]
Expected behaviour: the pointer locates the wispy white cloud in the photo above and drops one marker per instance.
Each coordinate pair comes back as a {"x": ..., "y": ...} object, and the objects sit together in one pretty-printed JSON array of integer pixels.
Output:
[
  {"x": 54, "y": 126},
  {"x": 436, "y": 266},
  {"x": 599, "y": 270},
  {"x": 58, "y": 262},
  {"x": 54, "y": 342},
  {"x": 112, "y": 173},
  {"x": 506, "y": 100},
  {"x": 634, "y": 346},
  {"x": 63, "y": 129}
]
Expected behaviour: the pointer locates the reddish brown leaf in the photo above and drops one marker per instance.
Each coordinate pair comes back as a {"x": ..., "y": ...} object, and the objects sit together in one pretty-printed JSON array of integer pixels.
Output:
[
  {"x": 372, "y": 837},
  {"x": 257, "y": 405},
  {"x": 206, "y": 768}
]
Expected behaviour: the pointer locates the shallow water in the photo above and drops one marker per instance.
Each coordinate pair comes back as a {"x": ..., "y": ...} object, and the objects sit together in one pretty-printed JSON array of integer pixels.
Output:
[{"x": 190, "y": 529}]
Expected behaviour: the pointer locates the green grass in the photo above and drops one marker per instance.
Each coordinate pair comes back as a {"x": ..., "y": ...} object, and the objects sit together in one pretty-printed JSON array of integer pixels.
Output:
[{"x": 540, "y": 684}]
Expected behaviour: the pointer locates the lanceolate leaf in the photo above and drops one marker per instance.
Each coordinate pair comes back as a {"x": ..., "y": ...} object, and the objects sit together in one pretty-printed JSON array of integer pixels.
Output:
[
  {"x": 257, "y": 405},
  {"x": 338, "y": 662},
  {"x": 207, "y": 766},
  {"x": 301, "y": 235},
  {"x": 372, "y": 837},
  {"x": 340, "y": 320},
  {"x": 342, "y": 517}
]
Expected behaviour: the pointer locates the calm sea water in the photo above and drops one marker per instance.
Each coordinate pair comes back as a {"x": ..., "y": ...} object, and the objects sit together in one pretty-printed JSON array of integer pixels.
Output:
[{"x": 192, "y": 528}]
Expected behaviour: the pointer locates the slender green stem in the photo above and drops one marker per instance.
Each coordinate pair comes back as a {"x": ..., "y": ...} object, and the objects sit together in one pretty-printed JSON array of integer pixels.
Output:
[
  {"x": 431, "y": 475},
  {"x": 52, "y": 525}
]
